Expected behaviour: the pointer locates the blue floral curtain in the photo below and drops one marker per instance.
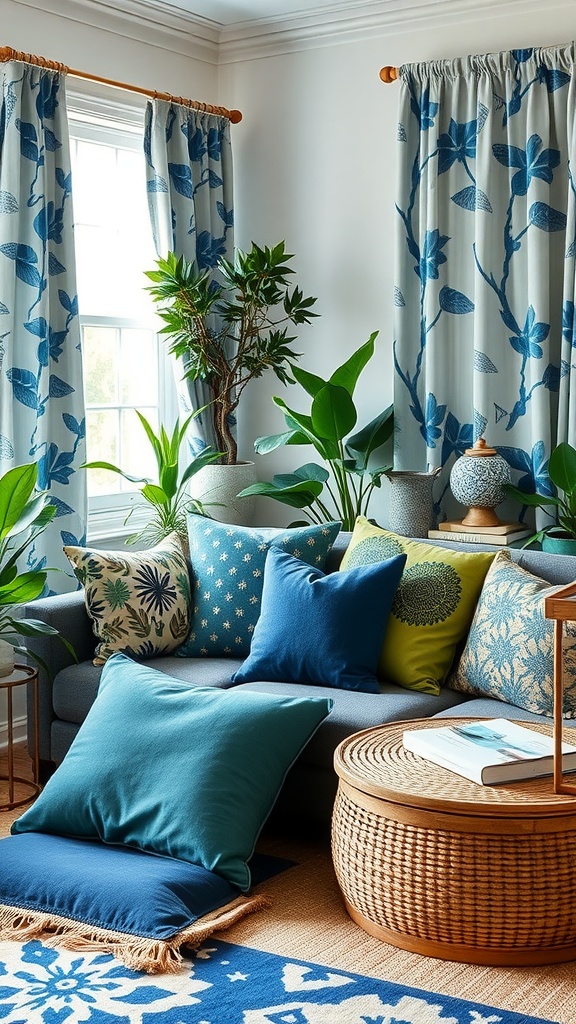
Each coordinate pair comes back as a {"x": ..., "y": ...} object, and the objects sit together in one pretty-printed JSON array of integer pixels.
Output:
[
  {"x": 190, "y": 192},
  {"x": 485, "y": 335},
  {"x": 41, "y": 389}
]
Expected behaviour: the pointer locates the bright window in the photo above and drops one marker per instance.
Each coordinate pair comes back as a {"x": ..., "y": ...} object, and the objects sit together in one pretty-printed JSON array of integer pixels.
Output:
[{"x": 125, "y": 366}]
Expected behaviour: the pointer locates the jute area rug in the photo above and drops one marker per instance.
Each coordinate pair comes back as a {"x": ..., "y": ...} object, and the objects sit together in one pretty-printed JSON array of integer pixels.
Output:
[{"x": 307, "y": 921}]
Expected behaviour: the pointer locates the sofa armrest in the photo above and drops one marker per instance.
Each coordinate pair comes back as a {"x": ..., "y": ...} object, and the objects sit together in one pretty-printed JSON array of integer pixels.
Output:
[{"x": 67, "y": 613}]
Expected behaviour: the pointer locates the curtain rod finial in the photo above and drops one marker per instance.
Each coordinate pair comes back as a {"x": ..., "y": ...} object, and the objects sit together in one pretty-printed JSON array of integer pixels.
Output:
[
  {"x": 235, "y": 116},
  {"x": 389, "y": 73}
]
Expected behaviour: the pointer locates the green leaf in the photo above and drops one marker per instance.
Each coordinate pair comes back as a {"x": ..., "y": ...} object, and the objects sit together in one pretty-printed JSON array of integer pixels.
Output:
[
  {"x": 346, "y": 376},
  {"x": 114, "y": 469},
  {"x": 333, "y": 413},
  {"x": 533, "y": 500},
  {"x": 155, "y": 495},
  {"x": 562, "y": 467},
  {"x": 309, "y": 381},
  {"x": 16, "y": 486},
  {"x": 25, "y": 587},
  {"x": 299, "y": 495},
  {"x": 372, "y": 436}
]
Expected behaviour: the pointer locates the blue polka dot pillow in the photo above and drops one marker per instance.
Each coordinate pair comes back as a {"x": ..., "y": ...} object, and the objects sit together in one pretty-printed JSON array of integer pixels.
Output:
[
  {"x": 509, "y": 651},
  {"x": 227, "y": 577}
]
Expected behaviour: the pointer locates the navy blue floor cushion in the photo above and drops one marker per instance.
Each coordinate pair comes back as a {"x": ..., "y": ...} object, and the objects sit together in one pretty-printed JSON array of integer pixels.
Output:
[{"x": 84, "y": 894}]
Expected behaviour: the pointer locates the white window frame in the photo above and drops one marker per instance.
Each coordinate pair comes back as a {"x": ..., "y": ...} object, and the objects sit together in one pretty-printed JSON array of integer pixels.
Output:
[{"x": 99, "y": 114}]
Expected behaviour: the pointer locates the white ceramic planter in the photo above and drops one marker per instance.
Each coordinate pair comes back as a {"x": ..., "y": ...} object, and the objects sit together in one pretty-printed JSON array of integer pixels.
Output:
[
  {"x": 217, "y": 488},
  {"x": 6, "y": 658}
]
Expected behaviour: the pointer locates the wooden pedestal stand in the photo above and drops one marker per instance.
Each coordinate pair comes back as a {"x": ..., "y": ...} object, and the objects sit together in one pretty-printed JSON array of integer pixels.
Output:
[{"x": 561, "y": 607}]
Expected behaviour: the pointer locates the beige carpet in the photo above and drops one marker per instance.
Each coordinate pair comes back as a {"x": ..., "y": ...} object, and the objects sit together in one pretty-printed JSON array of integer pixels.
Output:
[{"x": 307, "y": 920}]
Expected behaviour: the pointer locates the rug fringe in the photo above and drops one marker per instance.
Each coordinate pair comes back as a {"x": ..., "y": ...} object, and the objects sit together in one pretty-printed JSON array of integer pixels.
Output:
[{"x": 137, "y": 952}]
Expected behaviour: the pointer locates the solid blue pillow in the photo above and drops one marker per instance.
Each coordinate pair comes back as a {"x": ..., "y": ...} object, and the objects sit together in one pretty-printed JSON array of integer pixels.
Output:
[
  {"x": 227, "y": 573},
  {"x": 112, "y": 887},
  {"x": 324, "y": 629},
  {"x": 167, "y": 767}
]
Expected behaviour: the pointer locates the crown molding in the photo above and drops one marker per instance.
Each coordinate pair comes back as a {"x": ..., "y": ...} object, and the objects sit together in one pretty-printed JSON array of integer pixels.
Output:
[
  {"x": 170, "y": 27},
  {"x": 347, "y": 22},
  {"x": 157, "y": 23}
]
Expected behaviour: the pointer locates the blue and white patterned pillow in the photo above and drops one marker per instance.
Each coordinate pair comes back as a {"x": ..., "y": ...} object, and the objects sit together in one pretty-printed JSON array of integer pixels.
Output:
[
  {"x": 227, "y": 577},
  {"x": 509, "y": 651}
]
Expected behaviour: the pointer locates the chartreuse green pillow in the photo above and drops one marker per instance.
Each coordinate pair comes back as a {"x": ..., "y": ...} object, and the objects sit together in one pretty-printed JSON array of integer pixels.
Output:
[
  {"x": 175, "y": 769},
  {"x": 433, "y": 606}
]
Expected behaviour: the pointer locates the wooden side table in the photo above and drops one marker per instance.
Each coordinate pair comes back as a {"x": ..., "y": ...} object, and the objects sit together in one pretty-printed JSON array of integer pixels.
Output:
[
  {"x": 21, "y": 676},
  {"x": 441, "y": 866}
]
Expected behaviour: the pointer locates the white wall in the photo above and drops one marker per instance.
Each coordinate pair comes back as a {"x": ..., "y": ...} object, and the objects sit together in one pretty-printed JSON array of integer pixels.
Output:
[{"x": 315, "y": 164}]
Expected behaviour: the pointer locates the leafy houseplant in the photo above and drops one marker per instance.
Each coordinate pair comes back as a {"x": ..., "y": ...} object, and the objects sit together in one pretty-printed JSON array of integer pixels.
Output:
[
  {"x": 24, "y": 515},
  {"x": 168, "y": 498},
  {"x": 348, "y": 480},
  {"x": 561, "y": 500},
  {"x": 229, "y": 333}
]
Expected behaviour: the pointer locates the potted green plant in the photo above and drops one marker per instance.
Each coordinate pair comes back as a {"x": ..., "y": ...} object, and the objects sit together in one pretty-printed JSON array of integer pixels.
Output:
[
  {"x": 343, "y": 486},
  {"x": 560, "y": 504},
  {"x": 24, "y": 515},
  {"x": 168, "y": 498},
  {"x": 230, "y": 325}
]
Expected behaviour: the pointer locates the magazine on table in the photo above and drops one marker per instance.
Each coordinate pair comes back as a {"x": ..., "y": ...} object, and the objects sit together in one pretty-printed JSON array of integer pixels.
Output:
[{"x": 489, "y": 752}]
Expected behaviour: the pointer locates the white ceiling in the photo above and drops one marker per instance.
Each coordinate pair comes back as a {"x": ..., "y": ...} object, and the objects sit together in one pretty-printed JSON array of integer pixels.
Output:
[{"x": 224, "y": 13}]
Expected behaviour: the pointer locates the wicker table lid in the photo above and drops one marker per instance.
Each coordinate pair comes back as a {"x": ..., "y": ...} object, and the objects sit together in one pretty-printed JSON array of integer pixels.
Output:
[{"x": 375, "y": 762}]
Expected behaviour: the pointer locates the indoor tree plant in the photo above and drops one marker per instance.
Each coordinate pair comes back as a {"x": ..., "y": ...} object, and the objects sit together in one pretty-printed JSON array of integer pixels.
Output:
[
  {"x": 230, "y": 324},
  {"x": 24, "y": 515},
  {"x": 343, "y": 486},
  {"x": 168, "y": 498},
  {"x": 559, "y": 504}
]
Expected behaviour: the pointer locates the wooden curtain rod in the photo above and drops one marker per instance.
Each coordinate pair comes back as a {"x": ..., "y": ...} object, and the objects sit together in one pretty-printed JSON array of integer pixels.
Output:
[
  {"x": 8, "y": 53},
  {"x": 389, "y": 74}
]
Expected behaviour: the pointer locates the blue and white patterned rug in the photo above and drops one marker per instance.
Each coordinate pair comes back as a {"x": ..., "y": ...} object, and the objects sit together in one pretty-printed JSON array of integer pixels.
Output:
[{"x": 223, "y": 984}]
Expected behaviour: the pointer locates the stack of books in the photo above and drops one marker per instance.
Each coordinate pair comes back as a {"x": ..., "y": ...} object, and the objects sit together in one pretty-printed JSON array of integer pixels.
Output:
[
  {"x": 505, "y": 534},
  {"x": 489, "y": 752}
]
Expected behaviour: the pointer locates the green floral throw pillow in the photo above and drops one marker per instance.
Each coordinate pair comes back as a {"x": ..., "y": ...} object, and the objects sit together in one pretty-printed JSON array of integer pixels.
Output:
[
  {"x": 139, "y": 602},
  {"x": 509, "y": 654},
  {"x": 433, "y": 606}
]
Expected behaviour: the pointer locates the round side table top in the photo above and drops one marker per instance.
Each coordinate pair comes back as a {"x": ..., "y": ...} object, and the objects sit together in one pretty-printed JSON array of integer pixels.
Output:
[
  {"x": 376, "y": 762},
  {"x": 19, "y": 674}
]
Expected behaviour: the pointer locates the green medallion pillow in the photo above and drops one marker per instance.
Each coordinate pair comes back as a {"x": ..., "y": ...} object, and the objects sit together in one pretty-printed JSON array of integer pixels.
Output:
[
  {"x": 183, "y": 771},
  {"x": 509, "y": 653},
  {"x": 139, "y": 602},
  {"x": 433, "y": 606},
  {"x": 228, "y": 575}
]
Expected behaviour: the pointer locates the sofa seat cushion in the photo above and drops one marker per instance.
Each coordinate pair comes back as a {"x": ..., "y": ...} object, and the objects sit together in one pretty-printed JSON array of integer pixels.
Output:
[
  {"x": 353, "y": 711},
  {"x": 75, "y": 687}
]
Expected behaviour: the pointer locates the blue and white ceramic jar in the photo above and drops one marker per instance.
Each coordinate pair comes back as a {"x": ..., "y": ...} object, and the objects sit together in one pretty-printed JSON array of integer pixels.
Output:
[{"x": 477, "y": 480}]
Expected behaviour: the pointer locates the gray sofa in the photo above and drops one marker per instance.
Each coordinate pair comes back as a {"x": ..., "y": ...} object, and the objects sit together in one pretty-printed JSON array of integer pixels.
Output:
[{"x": 309, "y": 790}]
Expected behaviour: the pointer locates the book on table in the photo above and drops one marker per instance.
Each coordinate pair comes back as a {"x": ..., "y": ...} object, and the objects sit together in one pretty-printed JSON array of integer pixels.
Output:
[
  {"x": 493, "y": 539},
  {"x": 489, "y": 752}
]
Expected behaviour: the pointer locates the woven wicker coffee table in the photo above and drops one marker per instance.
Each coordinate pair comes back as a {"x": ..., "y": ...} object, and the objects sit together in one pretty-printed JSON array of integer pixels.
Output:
[{"x": 432, "y": 863}]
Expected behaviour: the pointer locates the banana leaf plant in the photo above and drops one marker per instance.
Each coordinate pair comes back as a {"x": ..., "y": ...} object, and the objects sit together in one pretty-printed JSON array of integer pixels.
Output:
[
  {"x": 168, "y": 497},
  {"x": 342, "y": 487},
  {"x": 24, "y": 515},
  {"x": 560, "y": 502}
]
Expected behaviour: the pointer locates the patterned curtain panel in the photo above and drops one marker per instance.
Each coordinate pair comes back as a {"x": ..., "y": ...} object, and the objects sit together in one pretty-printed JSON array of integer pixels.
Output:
[
  {"x": 485, "y": 335},
  {"x": 189, "y": 180},
  {"x": 41, "y": 390}
]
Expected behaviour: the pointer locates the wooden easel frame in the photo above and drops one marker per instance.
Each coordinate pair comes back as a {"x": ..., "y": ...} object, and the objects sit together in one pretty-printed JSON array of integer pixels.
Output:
[{"x": 561, "y": 607}]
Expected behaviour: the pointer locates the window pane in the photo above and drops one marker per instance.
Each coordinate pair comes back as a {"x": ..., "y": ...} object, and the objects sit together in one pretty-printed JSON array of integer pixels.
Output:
[
  {"x": 102, "y": 446},
  {"x": 93, "y": 176},
  {"x": 138, "y": 457},
  {"x": 138, "y": 368},
  {"x": 99, "y": 350}
]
